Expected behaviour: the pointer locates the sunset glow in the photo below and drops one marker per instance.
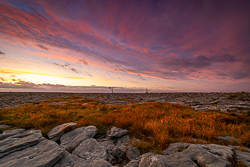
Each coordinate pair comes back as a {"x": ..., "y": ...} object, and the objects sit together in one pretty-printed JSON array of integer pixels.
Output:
[{"x": 163, "y": 46}]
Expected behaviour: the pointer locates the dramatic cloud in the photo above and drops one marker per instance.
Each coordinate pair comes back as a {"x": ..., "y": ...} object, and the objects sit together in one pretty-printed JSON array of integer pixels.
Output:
[
  {"x": 140, "y": 42},
  {"x": 26, "y": 86},
  {"x": 2, "y": 53}
]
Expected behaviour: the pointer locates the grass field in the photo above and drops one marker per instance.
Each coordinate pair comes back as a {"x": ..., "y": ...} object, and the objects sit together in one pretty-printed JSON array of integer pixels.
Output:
[{"x": 155, "y": 124}]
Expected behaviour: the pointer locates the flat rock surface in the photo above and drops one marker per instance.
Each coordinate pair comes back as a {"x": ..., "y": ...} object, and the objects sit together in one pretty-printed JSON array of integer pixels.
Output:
[
  {"x": 70, "y": 160},
  {"x": 90, "y": 150},
  {"x": 19, "y": 141},
  {"x": 56, "y": 133},
  {"x": 46, "y": 153},
  {"x": 8, "y": 133},
  {"x": 72, "y": 139}
]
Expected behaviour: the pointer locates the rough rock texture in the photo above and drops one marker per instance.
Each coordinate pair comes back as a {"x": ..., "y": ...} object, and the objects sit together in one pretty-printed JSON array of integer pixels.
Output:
[
  {"x": 201, "y": 154},
  {"x": 133, "y": 163},
  {"x": 45, "y": 154},
  {"x": 133, "y": 153},
  {"x": 90, "y": 150},
  {"x": 70, "y": 140},
  {"x": 175, "y": 147},
  {"x": 205, "y": 157},
  {"x": 152, "y": 160},
  {"x": 118, "y": 132},
  {"x": 19, "y": 141},
  {"x": 228, "y": 138},
  {"x": 8, "y": 133},
  {"x": 56, "y": 133},
  {"x": 244, "y": 157},
  {"x": 176, "y": 160},
  {"x": 70, "y": 160},
  {"x": 4, "y": 126},
  {"x": 100, "y": 163}
]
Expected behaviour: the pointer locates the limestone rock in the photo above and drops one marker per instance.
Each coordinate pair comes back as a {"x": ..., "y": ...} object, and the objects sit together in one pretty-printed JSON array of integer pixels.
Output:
[
  {"x": 90, "y": 150},
  {"x": 244, "y": 157},
  {"x": 4, "y": 126},
  {"x": 204, "y": 156},
  {"x": 118, "y": 132},
  {"x": 175, "y": 147},
  {"x": 70, "y": 140},
  {"x": 19, "y": 141},
  {"x": 70, "y": 160},
  {"x": 8, "y": 133},
  {"x": 56, "y": 133},
  {"x": 228, "y": 138},
  {"x": 177, "y": 160},
  {"x": 152, "y": 160},
  {"x": 125, "y": 140},
  {"x": 133, "y": 163},
  {"x": 133, "y": 153},
  {"x": 46, "y": 154},
  {"x": 100, "y": 163}
]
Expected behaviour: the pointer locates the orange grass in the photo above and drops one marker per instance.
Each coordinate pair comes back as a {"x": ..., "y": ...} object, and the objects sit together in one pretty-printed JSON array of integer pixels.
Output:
[{"x": 156, "y": 124}]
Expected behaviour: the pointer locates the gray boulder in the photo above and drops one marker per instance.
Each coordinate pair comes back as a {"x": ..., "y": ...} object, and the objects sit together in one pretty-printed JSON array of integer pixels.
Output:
[
  {"x": 70, "y": 160},
  {"x": 228, "y": 138},
  {"x": 118, "y": 132},
  {"x": 4, "y": 126},
  {"x": 90, "y": 150},
  {"x": 133, "y": 163},
  {"x": 244, "y": 157},
  {"x": 70, "y": 140},
  {"x": 44, "y": 154},
  {"x": 56, "y": 133},
  {"x": 100, "y": 163},
  {"x": 8, "y": 133},
  {"x": 152, "y": 160},
  {"x": 175, "y": 147},
  {"x": 205, "y": 156},
  {"x": 19, "y": 141},
  {"x": 132, "y": 153}
]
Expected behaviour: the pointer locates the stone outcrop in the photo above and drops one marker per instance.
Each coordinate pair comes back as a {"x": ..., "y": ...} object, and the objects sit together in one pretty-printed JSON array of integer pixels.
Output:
[
  {"x": 19, "y": 141},
  {"x": 70, "y": 140},
  {"x": 118, "y": 132},
  {"x": 8, "y": 133},
  {"x": 46, "y": 153},
  {"x": 90, "y": 150},
  {"x": 21, "y": 148},
  {"x": 56, "y": 133}
]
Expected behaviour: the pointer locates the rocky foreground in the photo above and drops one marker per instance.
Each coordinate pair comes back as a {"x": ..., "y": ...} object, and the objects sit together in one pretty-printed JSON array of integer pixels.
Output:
[
  {"x": 71, "y": 146},
  {"x": 238, "y": 103}
]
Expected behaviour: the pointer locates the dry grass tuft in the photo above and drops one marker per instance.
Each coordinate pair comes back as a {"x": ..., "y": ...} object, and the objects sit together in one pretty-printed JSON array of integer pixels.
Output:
[{"x": 156, "y": 124}]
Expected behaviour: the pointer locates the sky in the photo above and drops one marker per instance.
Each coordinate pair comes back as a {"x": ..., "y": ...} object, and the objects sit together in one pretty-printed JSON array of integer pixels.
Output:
[{"x": 131, "y": 45}]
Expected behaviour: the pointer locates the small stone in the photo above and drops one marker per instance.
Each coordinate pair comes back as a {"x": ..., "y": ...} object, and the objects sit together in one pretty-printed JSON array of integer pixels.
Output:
[
  {"x": 118, "y": 132},
  {"x": 133, "y": 153},
  {"x": 152, "y": 160},
  {"x": 56, "y": 133},
  {"x": 100, "y": 163},
  {"x": 229, "y": 138},
  {"x": 90, "y": 150},
  {"x": 4, "y": 126}
]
